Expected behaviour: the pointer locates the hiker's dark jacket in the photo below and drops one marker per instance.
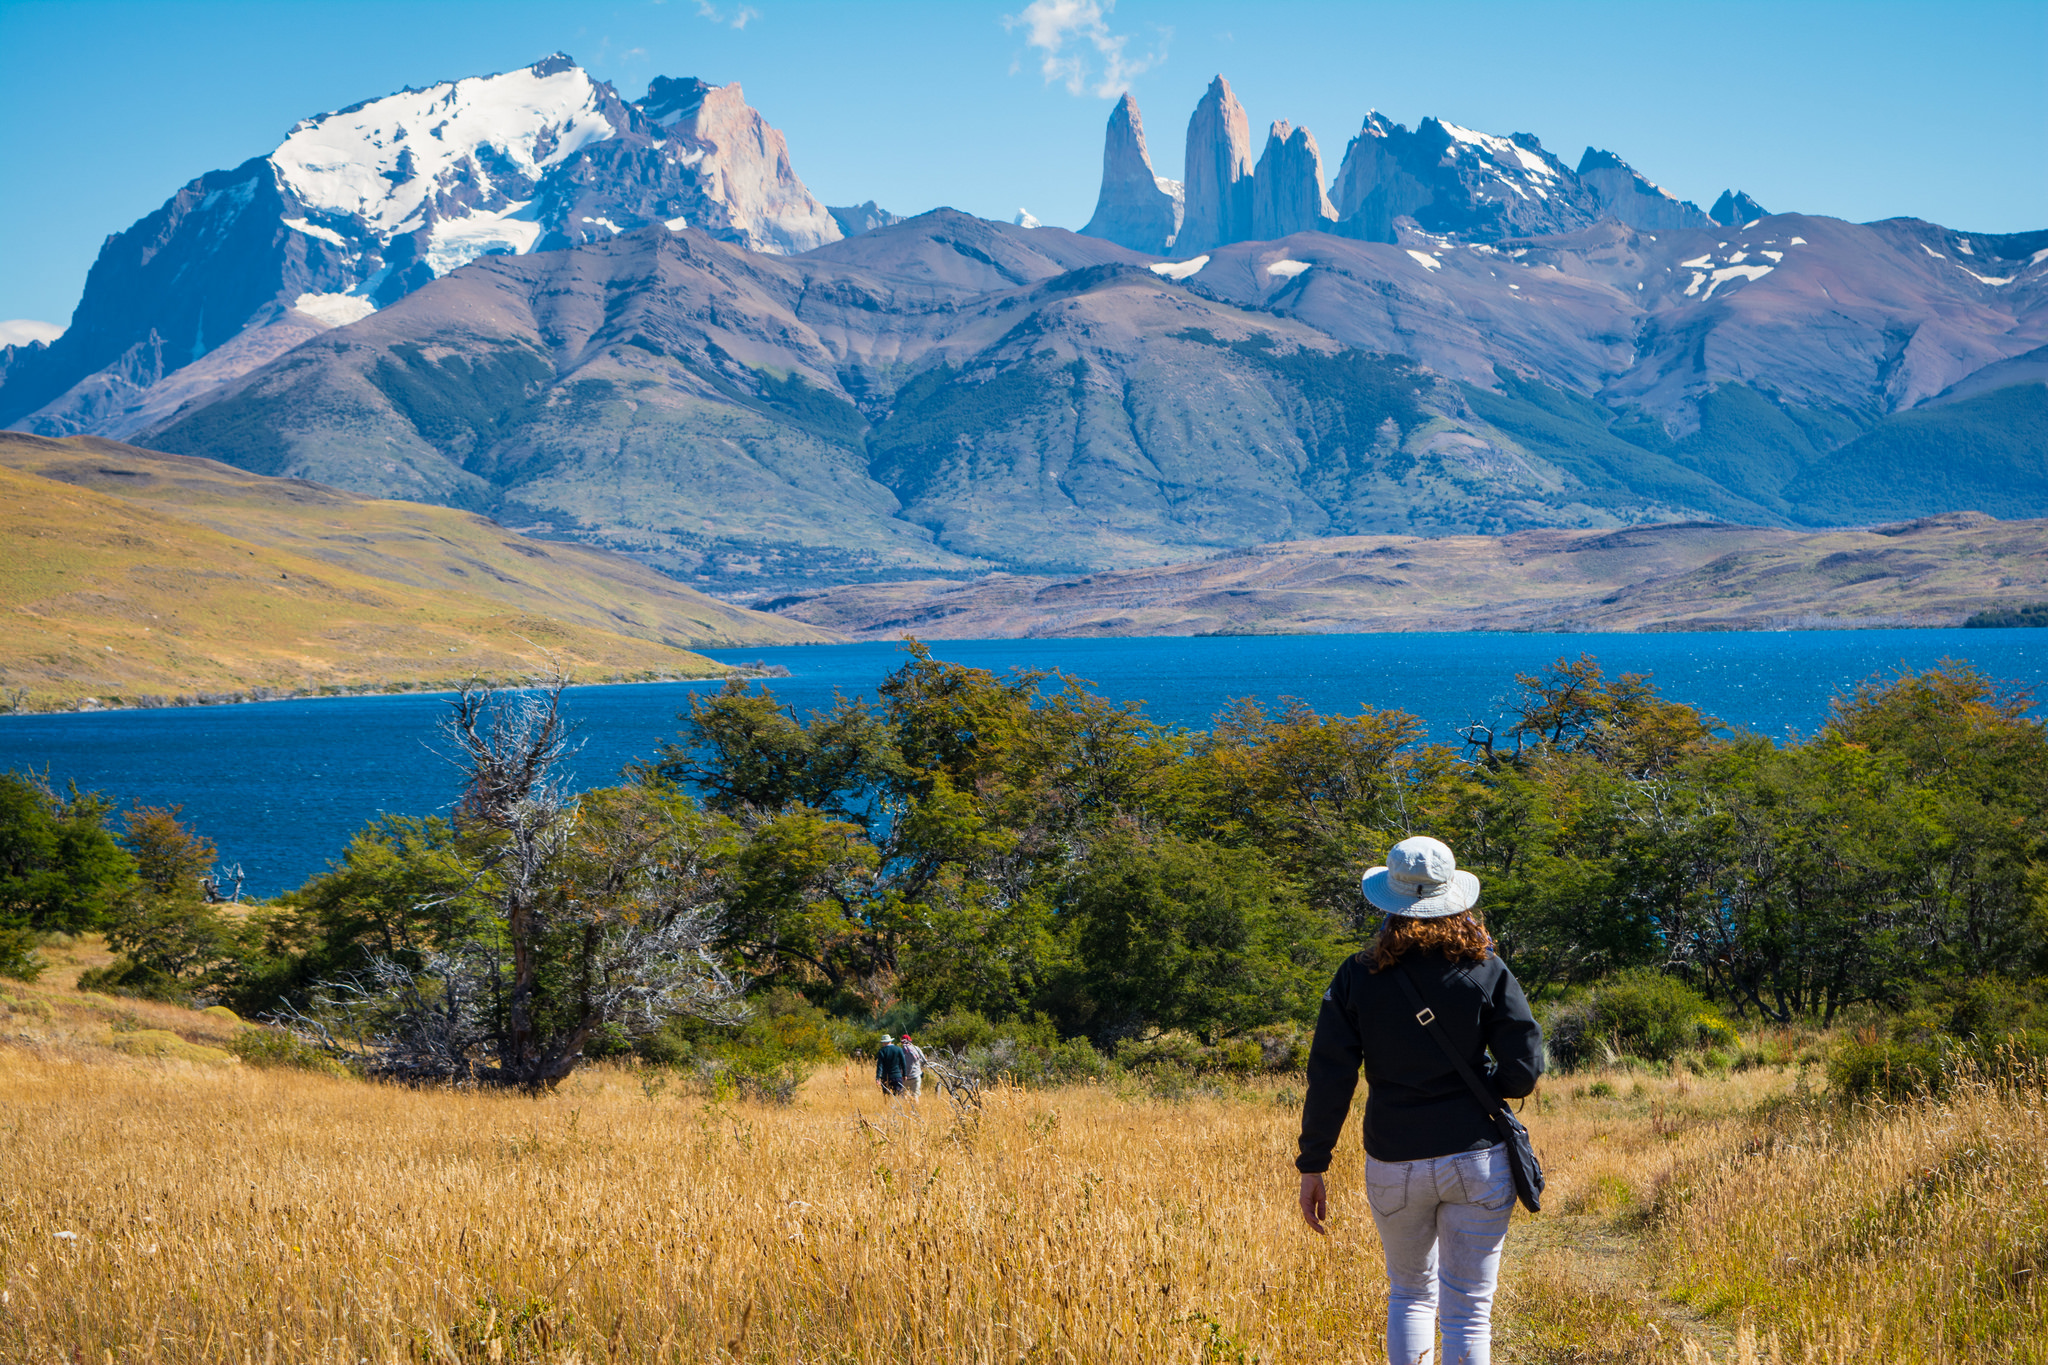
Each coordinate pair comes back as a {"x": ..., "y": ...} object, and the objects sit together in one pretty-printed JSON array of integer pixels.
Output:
[
  {"x": 889, "y": 1064},
  {"x": 1416, "y": 1105}
]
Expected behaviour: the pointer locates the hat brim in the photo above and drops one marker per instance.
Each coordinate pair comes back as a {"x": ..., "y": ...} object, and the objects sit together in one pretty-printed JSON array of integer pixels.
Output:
[{"x": 1460, "y": 894}]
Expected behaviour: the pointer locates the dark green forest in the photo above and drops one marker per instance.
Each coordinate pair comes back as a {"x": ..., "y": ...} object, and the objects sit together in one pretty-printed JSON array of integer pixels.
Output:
[{"x": 1016, "y": 855}]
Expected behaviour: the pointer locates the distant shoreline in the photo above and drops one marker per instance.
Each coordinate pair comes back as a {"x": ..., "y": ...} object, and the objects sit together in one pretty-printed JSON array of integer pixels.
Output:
[{"x": 87, "y": 706}]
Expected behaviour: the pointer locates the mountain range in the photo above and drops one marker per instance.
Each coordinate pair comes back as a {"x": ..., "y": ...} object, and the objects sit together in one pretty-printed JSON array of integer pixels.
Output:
[{"x": 629, "y": 323}]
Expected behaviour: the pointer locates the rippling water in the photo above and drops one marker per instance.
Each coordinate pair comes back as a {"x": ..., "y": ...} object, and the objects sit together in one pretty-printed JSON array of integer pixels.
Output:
[{"x": 280, "y": 786}]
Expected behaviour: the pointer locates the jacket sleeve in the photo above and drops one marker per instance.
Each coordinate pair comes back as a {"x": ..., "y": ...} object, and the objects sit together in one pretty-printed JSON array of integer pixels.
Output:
[
  {"x": 1514, "y": 1039},
  {"x": 1333, "y": 1061}
]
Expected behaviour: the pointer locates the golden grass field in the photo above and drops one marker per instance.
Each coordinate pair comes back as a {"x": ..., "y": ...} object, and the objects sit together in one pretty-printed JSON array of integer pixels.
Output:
[
  {"x": 126, "y": 573},
  {"x": 194, "y": 1209}
]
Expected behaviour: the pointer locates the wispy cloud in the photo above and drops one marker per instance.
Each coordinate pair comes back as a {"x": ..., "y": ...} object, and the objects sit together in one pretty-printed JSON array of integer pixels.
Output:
[
  {"x": 738, "y": 18},
  {"x": 1077, "y": 49},
  {"x": 21, "y": 331}
]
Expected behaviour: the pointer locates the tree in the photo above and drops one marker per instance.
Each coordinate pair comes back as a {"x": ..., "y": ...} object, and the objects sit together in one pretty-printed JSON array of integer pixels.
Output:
[
  {"x": 1169, "y": 934},
  {"x": 60, "y": 870},
  {"x": 169, "y": 858}
]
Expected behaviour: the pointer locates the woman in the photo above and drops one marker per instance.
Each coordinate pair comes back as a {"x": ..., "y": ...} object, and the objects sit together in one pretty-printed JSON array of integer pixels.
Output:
[{"x": 1436, "y": 1173}]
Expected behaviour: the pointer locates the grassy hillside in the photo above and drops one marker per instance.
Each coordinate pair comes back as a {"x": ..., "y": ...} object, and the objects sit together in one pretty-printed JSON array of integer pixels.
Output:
[{"x": 134, "y": 577}]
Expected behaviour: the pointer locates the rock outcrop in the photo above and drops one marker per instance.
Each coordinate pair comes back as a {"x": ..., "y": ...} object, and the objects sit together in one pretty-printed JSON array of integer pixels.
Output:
[
  {"x": 1217, "y": 184},
  {"x": 1627, "y": 197},
  {"x": 1287, "y": 186},
  {"x": 1734, "y": 208},
  {"x": 1136, "y": 208}
]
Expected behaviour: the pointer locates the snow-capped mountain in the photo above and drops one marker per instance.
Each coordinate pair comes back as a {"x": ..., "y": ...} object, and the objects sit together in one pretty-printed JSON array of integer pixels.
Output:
[{"x": 358, "y": 208}]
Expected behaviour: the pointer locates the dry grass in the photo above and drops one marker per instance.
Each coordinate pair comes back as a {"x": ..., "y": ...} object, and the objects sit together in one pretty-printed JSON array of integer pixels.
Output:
[
  {"x": 222, "y": 1213},
  {"x": 1908, "y": 1233}
]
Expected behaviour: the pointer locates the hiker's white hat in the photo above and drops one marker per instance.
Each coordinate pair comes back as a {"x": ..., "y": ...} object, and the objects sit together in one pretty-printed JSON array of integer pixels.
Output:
[
  {"x": 1421, "y": 880},
  {"x": 885, "y": 1037}
]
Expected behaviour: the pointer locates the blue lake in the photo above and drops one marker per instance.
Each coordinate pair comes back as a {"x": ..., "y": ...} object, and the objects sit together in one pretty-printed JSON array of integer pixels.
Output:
[{"x": 280, "y": 786}]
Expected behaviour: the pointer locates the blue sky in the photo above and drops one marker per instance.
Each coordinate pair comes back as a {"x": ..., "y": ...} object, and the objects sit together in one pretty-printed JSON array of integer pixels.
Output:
[{"x": 1863, "y": 110}]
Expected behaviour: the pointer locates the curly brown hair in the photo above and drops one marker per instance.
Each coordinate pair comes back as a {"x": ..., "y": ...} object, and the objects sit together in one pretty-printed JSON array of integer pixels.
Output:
[{"x": 1460, "y": 937}]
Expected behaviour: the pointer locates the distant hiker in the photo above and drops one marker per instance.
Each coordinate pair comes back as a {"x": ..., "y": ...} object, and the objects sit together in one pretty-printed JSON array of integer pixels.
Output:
[
  {"x": 913, "y": 1067},
  {"x": 1436, "y": 1170},
  {"x": 890, "y": 1064}
]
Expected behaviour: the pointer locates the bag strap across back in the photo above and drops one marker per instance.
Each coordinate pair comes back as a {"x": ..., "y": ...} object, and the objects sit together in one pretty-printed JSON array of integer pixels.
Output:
[{"x": 1425, "y": 1016}]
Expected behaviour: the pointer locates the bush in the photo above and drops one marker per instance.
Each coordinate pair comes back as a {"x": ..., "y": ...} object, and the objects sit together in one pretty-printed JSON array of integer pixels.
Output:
[
  {"x": 18, "y": 956},
  {"x": 1888, "y": 1070},
  {"x": 136, "y": 982},
  {"x": 275, "y": 1048},
  {"x": 1641, "y": 1014}
]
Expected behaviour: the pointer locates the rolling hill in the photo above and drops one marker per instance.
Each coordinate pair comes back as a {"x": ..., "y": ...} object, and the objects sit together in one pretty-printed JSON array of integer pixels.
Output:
[{"x": 130, "y": 577}]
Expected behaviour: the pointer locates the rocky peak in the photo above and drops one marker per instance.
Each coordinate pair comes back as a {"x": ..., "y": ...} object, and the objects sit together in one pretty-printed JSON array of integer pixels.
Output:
[
  {"x": 1218, "y": 180},
  {"x": 745, "y": 164},
  {"x": 1287, "y": 186},
  {"x": 1625, "y": 196},
  {"x": 1136, "y": 207},
  {"x": 357, "y": 208},
  {"x": 854, "y": 219},
  {"x": 1734, "y": 208}
]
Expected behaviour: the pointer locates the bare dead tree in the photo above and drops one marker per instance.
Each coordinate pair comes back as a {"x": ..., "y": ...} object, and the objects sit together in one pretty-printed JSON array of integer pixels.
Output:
[{"x": 605, "y": 910}]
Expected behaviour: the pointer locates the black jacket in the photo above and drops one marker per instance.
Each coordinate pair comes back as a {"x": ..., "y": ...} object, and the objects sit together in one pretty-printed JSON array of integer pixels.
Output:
[
  {"x": 890, "y": 1063},
  {"x": 1417, "y": 1105}
]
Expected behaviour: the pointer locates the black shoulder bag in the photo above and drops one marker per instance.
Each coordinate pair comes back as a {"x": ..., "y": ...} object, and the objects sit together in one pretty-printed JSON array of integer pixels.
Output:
[{"x": 1521, "y": 1155}]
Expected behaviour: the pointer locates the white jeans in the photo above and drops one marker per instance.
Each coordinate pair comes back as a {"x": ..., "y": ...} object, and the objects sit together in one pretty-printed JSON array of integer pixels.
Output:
[{"x": 1442, "y": 1221}]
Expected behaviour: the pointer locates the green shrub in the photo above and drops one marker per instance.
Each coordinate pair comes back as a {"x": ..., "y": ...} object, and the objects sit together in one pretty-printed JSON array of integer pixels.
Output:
[
  {"x": 1642, "y": 1014},
  {"x": 19, "y": 959},
  {"x": 136, "y": 981},
  {"x": 275, "y": 1048},
  {"x": 1888, "y": 1070}
]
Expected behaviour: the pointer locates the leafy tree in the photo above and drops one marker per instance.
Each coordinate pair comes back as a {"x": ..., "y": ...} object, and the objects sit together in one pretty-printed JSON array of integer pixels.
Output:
[
  {"x": 60, "y": 869},
  {"x": 169, "y": 858},
  {"x": 1167, "y": 934}
]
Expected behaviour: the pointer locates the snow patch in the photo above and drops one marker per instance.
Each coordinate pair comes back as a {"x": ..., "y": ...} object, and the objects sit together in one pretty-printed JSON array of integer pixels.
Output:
[
  {"x": 1932, "y": 252},
  {"x": 605, "y": 223},
  {"x": 1180, "y": 270},
  {"x": 1727, "y": 273},
  {"x": 1963, "y": 245},
  {"x": 389, "y": 159},
  {"x": 1797, "y": 241},
  {"x": 1025, "y": 220},
  {"x": 676, "y": 224},
  {"x": 1422, "y": 258},
  {"x": 1775, "y": 256},
  {"x": 1287, "y": 270},
  {"x": 1697, "y": 280},
  {"x": 459, "y": 241},
  {"x": 336, "y": 310},
  {"x": 1984, "y": 279},
  {"x": 1700, "y": 262},
  {"x": 300, "y": 225}
]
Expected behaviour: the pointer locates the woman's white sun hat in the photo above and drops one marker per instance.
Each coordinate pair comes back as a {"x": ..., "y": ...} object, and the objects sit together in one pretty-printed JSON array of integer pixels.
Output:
[{"x": 1421, "y": 880}]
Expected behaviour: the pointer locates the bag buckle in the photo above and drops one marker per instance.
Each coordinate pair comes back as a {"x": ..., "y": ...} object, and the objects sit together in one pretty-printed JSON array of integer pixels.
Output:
[{"x": 1426, "y": 1016}]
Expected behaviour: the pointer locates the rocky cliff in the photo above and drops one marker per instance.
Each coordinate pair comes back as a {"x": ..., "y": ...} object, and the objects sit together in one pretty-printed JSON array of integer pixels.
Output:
[
  {"x": 1218, "y": 181},
  {"x": 1136, "y": 208},
  {"x": 1287, "y": 186}
]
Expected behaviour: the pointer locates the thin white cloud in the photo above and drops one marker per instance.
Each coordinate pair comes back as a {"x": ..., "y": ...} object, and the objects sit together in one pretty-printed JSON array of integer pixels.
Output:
[
  {"x": 739, "y": 18},
  {"x": 1077, "y": 49},
  {"x": 21, "y": 331}
]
